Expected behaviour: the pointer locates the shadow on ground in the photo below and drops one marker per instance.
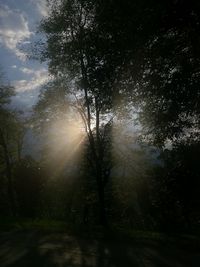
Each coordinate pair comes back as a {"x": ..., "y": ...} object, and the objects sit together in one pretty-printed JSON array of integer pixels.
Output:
[{"x": 32, "y": 248}]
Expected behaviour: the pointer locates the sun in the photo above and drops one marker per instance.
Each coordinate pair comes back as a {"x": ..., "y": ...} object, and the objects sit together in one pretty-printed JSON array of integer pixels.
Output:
[{"x": 66, "y": 141}]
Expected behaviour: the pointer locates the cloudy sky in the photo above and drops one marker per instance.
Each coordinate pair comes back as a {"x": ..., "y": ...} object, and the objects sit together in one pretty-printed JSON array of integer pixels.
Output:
[{"x": 18, "y": 23}]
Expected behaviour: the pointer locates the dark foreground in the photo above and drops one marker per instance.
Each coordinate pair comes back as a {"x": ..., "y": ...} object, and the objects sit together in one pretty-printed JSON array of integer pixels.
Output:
[{"x": 36, "y": 249}]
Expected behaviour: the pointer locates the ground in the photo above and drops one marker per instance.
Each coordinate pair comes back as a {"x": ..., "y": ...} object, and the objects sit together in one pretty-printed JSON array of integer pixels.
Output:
[{"x": 33, "y": 248}]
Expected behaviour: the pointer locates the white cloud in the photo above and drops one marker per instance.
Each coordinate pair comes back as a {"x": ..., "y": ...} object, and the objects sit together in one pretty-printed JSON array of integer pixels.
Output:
[
  {"x": 41, "y": 7},
  {"x": 39, "y": 77},
  {"x": 29, "y": 71},
  {"x": 14, "y": 30}
]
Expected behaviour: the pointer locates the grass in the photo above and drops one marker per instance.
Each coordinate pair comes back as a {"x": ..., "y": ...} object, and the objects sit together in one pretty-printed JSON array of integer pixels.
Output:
[
  {"x": 7, "y": 224},
  {"x": 95, "y": 232}
]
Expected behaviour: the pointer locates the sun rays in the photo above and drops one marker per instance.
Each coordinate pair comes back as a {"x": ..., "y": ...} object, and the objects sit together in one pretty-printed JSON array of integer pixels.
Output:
[{"x": 65, "y": 143}]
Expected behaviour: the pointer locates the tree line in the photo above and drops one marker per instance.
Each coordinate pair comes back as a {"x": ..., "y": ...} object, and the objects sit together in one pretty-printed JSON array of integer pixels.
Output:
[{"x": 135, "y": 62}]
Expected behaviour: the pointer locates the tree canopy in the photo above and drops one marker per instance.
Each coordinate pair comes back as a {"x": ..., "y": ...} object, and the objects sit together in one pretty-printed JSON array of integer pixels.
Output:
[
  {"x": 140, "y": 55},
  {"x": 145, "y": 50}
]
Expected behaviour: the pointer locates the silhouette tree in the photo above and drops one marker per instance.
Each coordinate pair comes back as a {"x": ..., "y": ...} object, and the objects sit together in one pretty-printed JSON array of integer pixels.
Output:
[
  {"x": 72, "y": 51},
  {"x": 145, "y": 51},
  {"x": 29, "y": 179},
  {"x": 11, "y": 139}
]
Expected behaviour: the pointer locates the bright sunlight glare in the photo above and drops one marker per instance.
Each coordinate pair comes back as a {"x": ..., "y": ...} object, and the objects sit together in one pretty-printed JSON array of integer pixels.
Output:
[{"x": 65, "y": 143}]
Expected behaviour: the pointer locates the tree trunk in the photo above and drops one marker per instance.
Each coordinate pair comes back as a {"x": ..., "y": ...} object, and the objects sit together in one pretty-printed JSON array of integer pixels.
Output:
[
  {"x": 10, "y": 189},
  {"x": 100, "y": 182},
  {"x": 102, "y": 211},
  {"x": 95, "y": 145}
]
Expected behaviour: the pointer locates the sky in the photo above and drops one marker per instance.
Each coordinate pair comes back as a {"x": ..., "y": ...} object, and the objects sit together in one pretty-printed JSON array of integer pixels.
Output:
[{"x": 18, "y": 24}]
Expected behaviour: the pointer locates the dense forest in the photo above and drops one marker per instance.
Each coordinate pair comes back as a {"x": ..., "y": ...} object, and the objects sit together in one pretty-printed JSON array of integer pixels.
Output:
[{"x": 116, "y": 126}]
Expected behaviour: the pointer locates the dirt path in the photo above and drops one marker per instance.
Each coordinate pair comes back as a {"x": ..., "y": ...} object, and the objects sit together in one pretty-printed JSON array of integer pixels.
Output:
[{"x": 34, "y": 249}]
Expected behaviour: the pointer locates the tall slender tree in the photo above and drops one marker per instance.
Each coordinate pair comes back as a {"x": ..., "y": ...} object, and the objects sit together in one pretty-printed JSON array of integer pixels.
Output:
[
  {"x": 11, "y": 139},
  {"x": 71, "y": 48},
  {"x": 101, "y": 50}
]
